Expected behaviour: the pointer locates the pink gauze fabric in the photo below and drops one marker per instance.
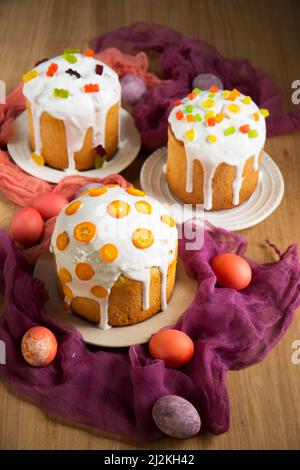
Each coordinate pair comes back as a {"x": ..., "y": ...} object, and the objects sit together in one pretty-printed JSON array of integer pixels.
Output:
[
  {"x": 181, "y": 59},
  {"x": 114, "y": 390}
]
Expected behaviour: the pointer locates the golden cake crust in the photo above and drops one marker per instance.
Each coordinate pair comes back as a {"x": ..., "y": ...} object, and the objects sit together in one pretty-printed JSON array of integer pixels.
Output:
[
  {"x": 222, "y": 182},
  {"x": 54, "y": 145}
]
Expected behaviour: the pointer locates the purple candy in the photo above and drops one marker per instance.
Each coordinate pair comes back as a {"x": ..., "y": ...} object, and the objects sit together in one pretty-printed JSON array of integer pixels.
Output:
[
  {"x": 87, "y": 186},
  {"x": 132, "y": 88},
  {"x": 205, "y": 80},
  {"x": 176, "y": 417}
]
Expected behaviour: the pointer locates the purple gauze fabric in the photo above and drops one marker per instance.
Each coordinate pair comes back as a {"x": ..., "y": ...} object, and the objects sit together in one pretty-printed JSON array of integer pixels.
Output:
[
  {"x": 182, "y": 58},
  {"x": 115, "y": 390}
]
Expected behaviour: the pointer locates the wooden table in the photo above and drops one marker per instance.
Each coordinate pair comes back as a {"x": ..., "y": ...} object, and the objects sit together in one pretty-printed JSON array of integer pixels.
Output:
[{"x": 265, "y": 411}]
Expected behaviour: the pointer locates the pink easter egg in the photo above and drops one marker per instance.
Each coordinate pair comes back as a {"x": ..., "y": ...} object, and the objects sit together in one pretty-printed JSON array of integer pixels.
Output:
[{"x": 49, "y": 204}]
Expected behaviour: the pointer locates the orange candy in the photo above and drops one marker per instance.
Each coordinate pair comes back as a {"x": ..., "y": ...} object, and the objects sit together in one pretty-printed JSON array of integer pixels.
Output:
[
  {"x": 118, "y": 209},
  {"x": 91, "y": 88},
  {"x": 136, "y": 192},
  {"x": 214, "y": 89},
  {"x": 99, "y": 291},
  {"x": 62, "y": 241},
  {"x": 190, "y": 118},
  {"x": 219, "y": 117},
  {"x": 142, "y": 238},
  {"x": 144, "y": 207},
  {"x": 64, "y": 275},
  {"x": 245, "y": 128},
  {"x": 192, "y": 96},
  {"x": 166, "y": 219},
  {"x": 89, "y": 53},
  {"x": 94, "y": 192},
  {"x": 174, "y": 347},
  {"x": 68, "y": 292},
  {"x": 73, "y": 207},
  {"x": 108, "y": 252},
  {"x": 84, "y": 271},
  {"x": 85, "y": 232}
]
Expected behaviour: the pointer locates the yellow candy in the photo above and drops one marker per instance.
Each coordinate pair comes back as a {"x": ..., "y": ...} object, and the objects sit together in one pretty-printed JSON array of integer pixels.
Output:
[
  {"x": 247, "y": 100},
  {"x": 38, "y": 159},
  {"x": 209, "y": 114},
  {"x": 264, "y": 112},
  {"x": 211, "y": 138},
  {"x": 226, "y": 93},
  {"x": 29, "y": 75},
  {"x": 233, "y": 108},
  {"x": 256, "y": 116},
  {"x": 190, "y": 135},
  {"x": 208, "y": 103}
]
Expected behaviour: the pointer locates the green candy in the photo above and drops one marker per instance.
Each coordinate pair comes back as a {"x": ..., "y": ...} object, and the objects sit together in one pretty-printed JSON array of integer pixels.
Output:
[
  {"x": 197, "y": 91},
  {"x": 211, "y": 95},
  {"x": 197, "y": 117},
  {"x": 188, "y": 109},
  {"x": 99, "y": 161},
  {"x": 72, "y": 59},
  {"x": 61, "y": 93},
  {"x": 230, "y": 130},
  {"x": 252, "y": 133}
]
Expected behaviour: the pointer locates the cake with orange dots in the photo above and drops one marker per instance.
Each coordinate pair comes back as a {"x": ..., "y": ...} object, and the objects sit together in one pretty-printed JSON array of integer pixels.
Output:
[
  {"x": 72, "y": 104},
  {"x": 215, "y": 143},
  {"x": 115, "y": 251}
]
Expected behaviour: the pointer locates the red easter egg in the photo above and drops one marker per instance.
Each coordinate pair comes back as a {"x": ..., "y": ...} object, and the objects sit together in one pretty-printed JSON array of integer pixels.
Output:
[
  {"x": 174, "y": 347},
  {"x": 49, "y": 204},
  {"x": 27, "y": 226},
  {"x": 39, "y": 346},
  {"x": 231, "y": 270}
]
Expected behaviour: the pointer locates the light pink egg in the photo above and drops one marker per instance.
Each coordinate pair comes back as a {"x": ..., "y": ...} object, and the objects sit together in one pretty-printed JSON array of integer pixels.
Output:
[{"x": 49, "y": 204}]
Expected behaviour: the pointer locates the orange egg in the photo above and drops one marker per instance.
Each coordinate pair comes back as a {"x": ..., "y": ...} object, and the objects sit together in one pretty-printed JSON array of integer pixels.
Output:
[
  {"x": 39, "y": 346},
  {"x": 73, "y": 207},
  {"x": 118, "y": 209},
  {"x": 62, "y": 241},
  {"x": 231, "y": 270},
  {"x": 142, "y": 238},
  {"x": 174, "y": 347},
  {"x": 85, "y": 232}
]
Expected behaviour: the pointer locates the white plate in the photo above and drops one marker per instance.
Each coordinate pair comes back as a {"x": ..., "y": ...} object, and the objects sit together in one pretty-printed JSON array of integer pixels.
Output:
[
  {"x": 20, "y": 151},
  {"x": 184, "y": 292},
  {"x": 265, "y": 199}
]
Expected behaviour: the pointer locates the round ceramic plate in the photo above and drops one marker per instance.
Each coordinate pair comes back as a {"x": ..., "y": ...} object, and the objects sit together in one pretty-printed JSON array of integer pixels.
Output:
[
  {"x": 265, "y": 199},
  {"x": 20, "y": 151},
  {"x": 184, "y": 292}
]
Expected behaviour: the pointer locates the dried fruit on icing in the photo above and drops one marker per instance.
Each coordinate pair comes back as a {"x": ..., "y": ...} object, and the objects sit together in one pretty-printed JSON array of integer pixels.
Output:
[
  {"x": 99, "y": 291},
  {"x": 252, "y": 133},
  {"x": 95, "y": 192},
  {"x": 38, "y": 159},
  {"x": 143, "y": 207},
  {"x": 84, "y": 271},
  {"x": 64, "y": 275},
  {"x": 211, "y": 138},
  {"x": 62, "y": 241},
  {"x": 85, "y": 232},
  {"x": 229, "y": 130},
  {"x": 166, "y": 219},
  {"x": 179, "y": 115},
  {"x": 142, "y": 238},
  {"x": 136, "y": 192},
  {"x": 72, "y": 59},
  {"x": 118, "y": 209},
  {"x": 264, "y": 112},
  {"x": 245, "y": 128},
  {"x": 52, "y": 69},
  {"x": 108, "y": 252},
  {"x": 73, "y": 207}
]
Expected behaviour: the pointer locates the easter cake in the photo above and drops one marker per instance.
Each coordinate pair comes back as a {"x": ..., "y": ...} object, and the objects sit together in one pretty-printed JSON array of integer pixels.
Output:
[
  {"x": 215, "y": 143},
  {"x": 115, "y": 251},
  {"x": 72, "y": 104}
]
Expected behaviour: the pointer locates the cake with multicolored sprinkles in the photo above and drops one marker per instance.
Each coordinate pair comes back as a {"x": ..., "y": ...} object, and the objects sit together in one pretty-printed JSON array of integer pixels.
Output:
[
  {"x": 73, "y": 104},
  {"x": 116, "y": 253},
  {"x": 215, "y": 143}
]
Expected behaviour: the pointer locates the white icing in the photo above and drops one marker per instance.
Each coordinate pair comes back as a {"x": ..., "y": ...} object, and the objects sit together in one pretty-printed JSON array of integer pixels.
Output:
[
  {"x": 233, "y": 149},
  {"x": 134, "y": 263},
  {"x": 80, "y": 111}
]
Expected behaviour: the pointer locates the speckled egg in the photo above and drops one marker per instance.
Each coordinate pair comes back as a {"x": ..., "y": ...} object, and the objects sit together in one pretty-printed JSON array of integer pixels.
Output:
[
  {"x": 205, "y": 80},
  {"x": 39, "y": 346},
  {"x": 86, "y": 187},
  {"x": 176, "y": 417},
  {"x": 132, "y": 88}
]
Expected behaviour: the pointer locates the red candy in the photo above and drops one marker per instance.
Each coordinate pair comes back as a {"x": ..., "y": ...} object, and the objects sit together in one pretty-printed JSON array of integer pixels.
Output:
[
  {"x": 214, "y": 89},
  {"x": 245, "y": 128},
  {"x": 52, "y": 69},
  {"x": 39, "y": 346},
  {"x": 27, "y": 226},
  {"x": 174, "y": 347},
  {"x": 49, "y": 204},
  {"x": 211, "y": 121},
  {"x": 91, "y": 87},
  {"x": 179, "y": 115},
  {"x": 192, "y": 96},
  {"x": 231, "y": 270},
  {"x": 178, "y": 102}
]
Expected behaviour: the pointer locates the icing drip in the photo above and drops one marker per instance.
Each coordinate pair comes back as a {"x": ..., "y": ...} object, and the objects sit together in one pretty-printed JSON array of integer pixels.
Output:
[
  {"x": 131, "y": 261},
  {"x": 80, "y": 111},
  {"x": 212, "y": 141}
]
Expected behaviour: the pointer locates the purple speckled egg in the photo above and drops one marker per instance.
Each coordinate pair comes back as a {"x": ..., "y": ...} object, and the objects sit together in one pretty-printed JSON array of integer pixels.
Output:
[
  {"x": 176, "y": 417},
  {"x": 205, "y": 80},
  {"x": 132, "y": 88},
  {"x": 87, "y": 186}
]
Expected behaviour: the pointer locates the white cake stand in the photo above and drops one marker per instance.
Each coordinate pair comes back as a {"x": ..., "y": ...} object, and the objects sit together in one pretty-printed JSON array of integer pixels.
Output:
[
  {"x": 265, "y": 199},
  {"x": 20, "y": 151}
]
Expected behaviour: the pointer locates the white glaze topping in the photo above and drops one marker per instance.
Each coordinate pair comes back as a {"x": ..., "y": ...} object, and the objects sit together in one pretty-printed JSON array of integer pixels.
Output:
[
  {"x": 233, "y": 149},
  {"x": 133, "y": 262},
  {"x": 80, "y": 111}
]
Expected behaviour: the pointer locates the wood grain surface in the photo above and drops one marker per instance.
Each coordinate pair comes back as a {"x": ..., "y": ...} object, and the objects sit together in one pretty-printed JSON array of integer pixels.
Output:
[{"x": 265, "y": 411}]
